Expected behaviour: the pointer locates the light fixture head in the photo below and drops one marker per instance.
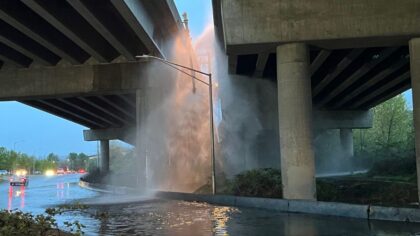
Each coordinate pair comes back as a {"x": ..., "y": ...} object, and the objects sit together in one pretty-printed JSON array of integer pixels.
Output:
[{"x": 143, "y": 58}]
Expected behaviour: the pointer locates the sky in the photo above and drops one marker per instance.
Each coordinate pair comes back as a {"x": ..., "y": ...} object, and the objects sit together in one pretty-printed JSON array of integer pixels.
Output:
[{"x": 38, "y": 133}]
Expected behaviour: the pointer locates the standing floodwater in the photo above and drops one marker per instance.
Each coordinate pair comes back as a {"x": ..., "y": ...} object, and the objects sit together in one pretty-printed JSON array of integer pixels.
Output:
[{"x": 162, "y": 217}]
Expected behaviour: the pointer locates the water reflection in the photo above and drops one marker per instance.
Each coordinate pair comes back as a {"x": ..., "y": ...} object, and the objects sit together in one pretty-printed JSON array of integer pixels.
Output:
[
  {"x": 9, "y": 199},
  {"x": 16, "y": 193},
  {"x": 158, "y": 217},
  {"x": 293, "y": 226},
  {"x": 221, "y": 217},
  {"x": 62, "y": 190}
]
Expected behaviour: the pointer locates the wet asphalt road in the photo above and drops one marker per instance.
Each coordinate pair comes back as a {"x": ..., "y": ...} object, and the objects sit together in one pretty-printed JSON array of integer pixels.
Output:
[{"x": 42, "y": 192}]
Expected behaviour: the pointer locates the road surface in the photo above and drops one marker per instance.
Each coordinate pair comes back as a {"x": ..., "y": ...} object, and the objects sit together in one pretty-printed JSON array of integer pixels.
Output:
[{"x": 42, "y": 192}]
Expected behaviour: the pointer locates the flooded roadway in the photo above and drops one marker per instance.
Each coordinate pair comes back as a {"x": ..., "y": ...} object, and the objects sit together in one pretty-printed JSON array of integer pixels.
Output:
[
  {"x": 160, "y": 217},
  {"x": 42, "y": 192}
]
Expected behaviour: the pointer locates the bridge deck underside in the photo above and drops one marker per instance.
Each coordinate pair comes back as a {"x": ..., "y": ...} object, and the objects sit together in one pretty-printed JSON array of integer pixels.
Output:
[
  {"x": 345, "y": 79},
  {"x": 48, "y": 33},
  {"x": 95, "y": 112},
  {"x": 44, "y": 32}
]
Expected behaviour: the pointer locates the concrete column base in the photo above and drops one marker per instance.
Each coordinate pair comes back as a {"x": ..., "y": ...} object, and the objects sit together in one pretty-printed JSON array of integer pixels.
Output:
[{"x": 295, "y": 122}]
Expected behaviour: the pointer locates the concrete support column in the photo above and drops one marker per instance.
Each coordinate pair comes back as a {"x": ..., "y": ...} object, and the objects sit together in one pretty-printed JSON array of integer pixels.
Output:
[
  {"x": 346, "y": 140},
  {"x": 104, "y": 157},
  {"x": 295, "y": 122},
  {"x": 141, "y": 133},
  {"x": 414, "y": 45}
]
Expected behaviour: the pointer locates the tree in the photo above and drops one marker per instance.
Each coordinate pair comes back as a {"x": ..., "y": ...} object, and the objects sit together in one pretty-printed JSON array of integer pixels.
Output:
[
  {"x": 11, "y": 160},
  {"x": 72, "y": 160},
  {"x": 53, "y": 158},
  {"x": 392, "y": 133},
  {"x": 78, "y": 161},
  {"x": 122, "y": 157},
  {"x": 83, "y": 160},
  {"x": 4, "y": 159}
]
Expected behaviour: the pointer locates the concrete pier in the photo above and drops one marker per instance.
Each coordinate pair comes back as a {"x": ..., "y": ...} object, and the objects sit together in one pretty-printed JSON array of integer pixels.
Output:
[
  {"x": 414, "y": 45},
  {"x": 104, "y": 157},
  {"x": 141, "y": 133},
  {"x": 346, "y": 140},
  {"x": 295, "y": 122}
]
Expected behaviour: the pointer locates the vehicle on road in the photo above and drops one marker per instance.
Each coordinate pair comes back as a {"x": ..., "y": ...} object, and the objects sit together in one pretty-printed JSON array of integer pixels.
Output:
[
  {"x": 4, "y": 172},
  {"x": 19, "y": 177},
  {"x": 60, "y": 171}
]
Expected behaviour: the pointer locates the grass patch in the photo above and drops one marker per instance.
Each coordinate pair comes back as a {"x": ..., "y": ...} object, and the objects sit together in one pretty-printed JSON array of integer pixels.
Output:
[
  {"x": 368, "y": 192},
  {"x": 402, "y": 169},
  {"x": 267, "y": 183}
]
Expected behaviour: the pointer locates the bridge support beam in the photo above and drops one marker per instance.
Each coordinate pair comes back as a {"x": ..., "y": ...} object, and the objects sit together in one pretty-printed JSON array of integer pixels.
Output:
[
  {"x": 414, "y": 45},
  {"x": 295, "y": 121},
  {"x": 125, "y": 134},
  {"x": 104, "y": 157}
]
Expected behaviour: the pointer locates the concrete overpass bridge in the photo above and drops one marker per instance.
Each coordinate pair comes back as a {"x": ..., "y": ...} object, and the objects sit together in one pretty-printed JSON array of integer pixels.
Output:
[
  {"x": 324, "y": 55},
  {"x": 76, "y": 59}
]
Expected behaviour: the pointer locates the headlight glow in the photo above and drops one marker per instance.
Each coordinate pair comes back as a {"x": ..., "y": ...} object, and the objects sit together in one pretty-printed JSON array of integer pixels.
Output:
[{"x": 49, "y": 173}]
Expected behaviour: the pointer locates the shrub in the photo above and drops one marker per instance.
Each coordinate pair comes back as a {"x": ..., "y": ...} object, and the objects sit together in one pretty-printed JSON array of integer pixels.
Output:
[
  {"x": 94, "y": 176},
  {"x": 267, "y": 183},
  {"x": 326, "y": 191},
  {"x": 259, "y": 182},
  {"x": 17, "y": 223},
  {"x": 393, "y": 167}
]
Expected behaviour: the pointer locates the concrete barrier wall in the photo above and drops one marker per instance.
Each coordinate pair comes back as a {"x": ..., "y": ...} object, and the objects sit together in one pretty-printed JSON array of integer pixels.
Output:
[
  {"x": 301, "y": 206},
  {"x": 106, "y": 188},
  {"x": 294, "y": 206}
]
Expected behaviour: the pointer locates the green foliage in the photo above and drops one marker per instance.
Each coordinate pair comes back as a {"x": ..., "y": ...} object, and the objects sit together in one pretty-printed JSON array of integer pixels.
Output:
[
  {"x": 11, "y": 160},
  {"x": 44, "y": 164},
  {"x": 122, "y": 158},
  {"x": 326, "y": 191},
  {"x": 17, "y": 223},
  {"x": 95, "y": 176},
  {"x": 367, "y": 191},
  {"x": 259, "y": 182},
  {"x": 267, "y": 183},
  {"x": 78, "y": 161},
  {"x": 392, "y": 134},
  {"x": 395, "y": 167},
  {"x": 53, "y": 158}
]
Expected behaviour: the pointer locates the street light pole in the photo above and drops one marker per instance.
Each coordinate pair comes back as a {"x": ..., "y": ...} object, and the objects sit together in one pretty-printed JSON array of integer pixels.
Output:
[
  {"x": 210, "y": 85},
  {"x": 16, "y": 142},
  {"x": 213, "y": 159}
]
